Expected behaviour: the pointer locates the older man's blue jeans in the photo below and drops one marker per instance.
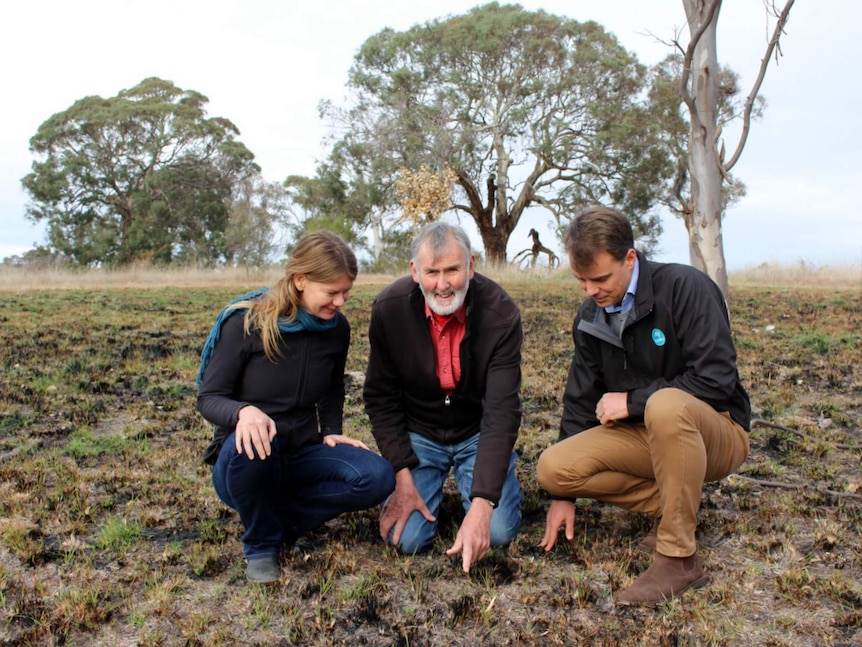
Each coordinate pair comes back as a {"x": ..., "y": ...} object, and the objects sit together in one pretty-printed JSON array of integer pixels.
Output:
[
  {"x": 435, "y": 462},
  {"x": 282, "y": 497}
]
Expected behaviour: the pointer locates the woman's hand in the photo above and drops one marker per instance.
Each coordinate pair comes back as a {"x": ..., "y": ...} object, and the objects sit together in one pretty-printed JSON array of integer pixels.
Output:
[
  {"x": 254, "y": 432},
  {"x": 339, "y": 439}
]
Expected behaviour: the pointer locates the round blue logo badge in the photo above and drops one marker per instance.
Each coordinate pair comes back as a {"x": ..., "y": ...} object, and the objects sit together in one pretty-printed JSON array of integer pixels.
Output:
[{"x": 658, "y": 337}]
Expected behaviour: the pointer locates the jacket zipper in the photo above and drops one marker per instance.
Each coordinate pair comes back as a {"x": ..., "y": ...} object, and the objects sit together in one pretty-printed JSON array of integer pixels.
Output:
[{"x": 300, "y": 388}]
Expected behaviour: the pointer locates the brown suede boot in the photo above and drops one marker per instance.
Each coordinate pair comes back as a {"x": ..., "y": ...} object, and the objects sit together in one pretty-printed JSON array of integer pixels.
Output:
[{"x": 665, "y": 578}]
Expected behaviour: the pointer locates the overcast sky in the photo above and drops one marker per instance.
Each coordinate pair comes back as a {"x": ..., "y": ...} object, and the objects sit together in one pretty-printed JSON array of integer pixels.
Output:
[{"x": 266, "y": 64}]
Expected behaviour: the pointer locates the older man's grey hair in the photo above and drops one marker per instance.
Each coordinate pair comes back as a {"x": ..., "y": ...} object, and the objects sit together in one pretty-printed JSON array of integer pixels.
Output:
[{"x": 438, "y": 235}]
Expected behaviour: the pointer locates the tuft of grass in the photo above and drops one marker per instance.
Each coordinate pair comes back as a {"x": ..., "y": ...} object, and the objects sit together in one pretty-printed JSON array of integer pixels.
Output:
[
  {"x": 23, "y": 539},
  {"x": 818, "y": 343},
  {"x": 118, "y": 535},
  {"x": 83, "y": 608},
  {"x": 83, "y": 443},
  {"x": 205, "y": 560}
]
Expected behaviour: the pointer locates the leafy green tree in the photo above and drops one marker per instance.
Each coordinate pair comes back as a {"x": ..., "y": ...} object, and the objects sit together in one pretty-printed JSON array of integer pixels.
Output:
[
  {"x": 258, "y": 217},
  {"x": 529, "y": 109},
  {"x": 145, "y": 175},
  {"x": 393, "y": 252},
  {"x": 328, "y": 201}
]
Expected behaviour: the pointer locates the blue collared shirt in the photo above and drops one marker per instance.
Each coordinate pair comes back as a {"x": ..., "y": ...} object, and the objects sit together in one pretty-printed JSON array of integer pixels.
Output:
[{"x": 629, "y": 298}]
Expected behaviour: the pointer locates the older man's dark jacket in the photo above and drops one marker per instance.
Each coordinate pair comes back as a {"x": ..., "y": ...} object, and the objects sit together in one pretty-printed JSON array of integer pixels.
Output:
[
  {"x": 402, "y": 391},
  {"x": 678, "y": 335}
]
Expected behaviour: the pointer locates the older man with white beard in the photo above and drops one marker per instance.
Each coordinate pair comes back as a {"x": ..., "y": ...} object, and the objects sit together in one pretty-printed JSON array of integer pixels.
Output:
[{"x": 442, "y": 393}]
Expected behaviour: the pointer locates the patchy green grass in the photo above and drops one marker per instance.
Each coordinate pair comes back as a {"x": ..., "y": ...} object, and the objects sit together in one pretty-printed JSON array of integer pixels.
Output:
[{"x": 111, "y": 534}]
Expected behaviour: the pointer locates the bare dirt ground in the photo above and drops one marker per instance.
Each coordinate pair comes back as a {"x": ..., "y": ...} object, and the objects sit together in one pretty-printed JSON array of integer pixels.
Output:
[{"x": 111, "y": 534}]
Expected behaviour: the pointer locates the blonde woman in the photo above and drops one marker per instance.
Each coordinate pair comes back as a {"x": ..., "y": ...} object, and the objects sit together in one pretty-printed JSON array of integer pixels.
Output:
[{"x": 272, "y": 382}]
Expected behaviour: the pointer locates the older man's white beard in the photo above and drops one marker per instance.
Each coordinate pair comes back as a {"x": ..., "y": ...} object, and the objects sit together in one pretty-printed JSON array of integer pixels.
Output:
[{"x": 446, "y": 309}]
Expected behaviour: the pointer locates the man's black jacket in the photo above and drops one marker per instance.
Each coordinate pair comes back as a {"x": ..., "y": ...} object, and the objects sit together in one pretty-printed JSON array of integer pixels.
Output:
[
  {"x": 402, "y": 391},
  {"x": 678, "y": 335}
]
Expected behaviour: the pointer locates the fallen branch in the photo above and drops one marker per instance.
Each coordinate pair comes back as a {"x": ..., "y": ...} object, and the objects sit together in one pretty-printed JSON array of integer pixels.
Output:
[
  {"x": 792, "y": 486},
  {"x": 760, "y": 422}
]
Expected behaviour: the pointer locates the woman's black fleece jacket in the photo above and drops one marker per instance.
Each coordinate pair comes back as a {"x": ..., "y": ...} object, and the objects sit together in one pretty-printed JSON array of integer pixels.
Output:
[{"x": 303, "y": 392}]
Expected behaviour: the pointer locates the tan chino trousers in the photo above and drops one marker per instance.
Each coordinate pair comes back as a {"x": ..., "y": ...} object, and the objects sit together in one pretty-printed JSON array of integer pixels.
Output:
[{"x": 658, "y": 467}]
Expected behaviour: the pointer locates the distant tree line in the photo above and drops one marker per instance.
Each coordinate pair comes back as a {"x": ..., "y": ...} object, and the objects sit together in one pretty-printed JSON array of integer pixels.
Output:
[{"x": 489, "y": 115}]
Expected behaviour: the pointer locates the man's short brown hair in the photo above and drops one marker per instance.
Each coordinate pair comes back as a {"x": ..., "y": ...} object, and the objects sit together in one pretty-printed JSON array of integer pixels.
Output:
[{"x": 597, "y": 229}]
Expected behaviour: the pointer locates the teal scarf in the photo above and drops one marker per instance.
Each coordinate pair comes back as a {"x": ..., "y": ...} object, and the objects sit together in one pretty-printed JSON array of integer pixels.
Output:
[{"x": 303, "y": 321}]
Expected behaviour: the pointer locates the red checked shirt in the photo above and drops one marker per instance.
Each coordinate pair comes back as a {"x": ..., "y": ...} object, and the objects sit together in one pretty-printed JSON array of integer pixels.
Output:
[{"x": 447, "y": 332}]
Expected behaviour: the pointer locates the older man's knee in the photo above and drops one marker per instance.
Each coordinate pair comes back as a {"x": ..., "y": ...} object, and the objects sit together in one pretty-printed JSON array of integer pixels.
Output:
[
  {"x": 414, "y": 544},
  {"x": 417, "y": 536},
  {"x": 506, "y": 522}
]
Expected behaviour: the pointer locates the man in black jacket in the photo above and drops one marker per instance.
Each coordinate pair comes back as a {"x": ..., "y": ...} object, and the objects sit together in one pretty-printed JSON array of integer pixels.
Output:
[
  {"x": 653, "y": 405},
  {"x": 442, "y": 392}
]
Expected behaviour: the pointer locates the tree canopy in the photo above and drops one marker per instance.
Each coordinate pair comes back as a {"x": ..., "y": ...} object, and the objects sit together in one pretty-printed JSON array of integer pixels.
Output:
[
  {"x": 145, "y": 175},
  {"x": 326, "y": 202},
  {"x": 257, "y": 211},
  {"x": 527, "y": 108}
]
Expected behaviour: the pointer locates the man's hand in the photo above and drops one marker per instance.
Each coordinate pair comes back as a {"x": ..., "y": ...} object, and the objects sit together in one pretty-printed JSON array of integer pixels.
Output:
[
  {"x": 561, "y": 513},
  {"x": 400, "y": 505},
  {"x": 611, "y": 407},
  {"x": 474, "y": 536},
  {"x": 254, "y": 431}
]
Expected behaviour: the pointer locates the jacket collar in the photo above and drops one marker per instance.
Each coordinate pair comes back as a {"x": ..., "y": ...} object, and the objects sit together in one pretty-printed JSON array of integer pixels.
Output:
[{"x": 645, "y": 296}]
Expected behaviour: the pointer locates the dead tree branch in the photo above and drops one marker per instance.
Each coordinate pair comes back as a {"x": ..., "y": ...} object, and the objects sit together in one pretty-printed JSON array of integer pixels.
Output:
[
  {"x": 793, "y": 486},
  {"x": 759, "y": 422},
  {"x": 764, "y": 63}
]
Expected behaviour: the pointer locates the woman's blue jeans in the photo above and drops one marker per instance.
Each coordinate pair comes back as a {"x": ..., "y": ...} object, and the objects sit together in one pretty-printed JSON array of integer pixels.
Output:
[
  {"x": 435, "y": 461},
  {"x": 283, "y": 496}
]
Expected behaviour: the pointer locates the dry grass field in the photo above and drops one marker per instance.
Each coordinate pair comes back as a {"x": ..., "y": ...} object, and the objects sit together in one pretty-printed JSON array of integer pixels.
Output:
[{"x": 111, "y": 533}]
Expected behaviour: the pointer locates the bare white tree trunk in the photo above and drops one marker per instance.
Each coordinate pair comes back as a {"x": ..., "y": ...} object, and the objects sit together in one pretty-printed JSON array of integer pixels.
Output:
[
  {"x": 707, "y": 166},
  {"x": 703, "y": 218},
  {"x": 376, "y": 237}
]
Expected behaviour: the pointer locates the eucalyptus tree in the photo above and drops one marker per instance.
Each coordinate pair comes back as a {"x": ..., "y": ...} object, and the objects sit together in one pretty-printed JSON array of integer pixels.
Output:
[
  {"x": 145, "y": 175},
  {"x": 328, "y": 201},
  {"x": 667, "y": 105},
  {"x": 709, "y": 165},
  {"x": 257, "y": 223},
  {"x": 529, "y": 109}
]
